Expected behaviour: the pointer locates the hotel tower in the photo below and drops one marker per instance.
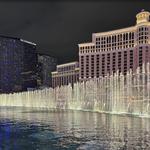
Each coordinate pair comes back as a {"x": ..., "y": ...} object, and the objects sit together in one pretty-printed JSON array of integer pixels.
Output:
[
  {"x": 117, "y": 50},
  {"x": 65, "y": 74}
]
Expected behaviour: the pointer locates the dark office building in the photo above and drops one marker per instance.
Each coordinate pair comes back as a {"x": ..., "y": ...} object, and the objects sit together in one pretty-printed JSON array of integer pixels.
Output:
[
  {"x": 46, "y": 64},
  {"x": 18, "y": 62}
]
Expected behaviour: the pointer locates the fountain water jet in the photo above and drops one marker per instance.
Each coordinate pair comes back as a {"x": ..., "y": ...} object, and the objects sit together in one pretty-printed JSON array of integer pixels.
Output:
[{"x": 117, "y": 93}]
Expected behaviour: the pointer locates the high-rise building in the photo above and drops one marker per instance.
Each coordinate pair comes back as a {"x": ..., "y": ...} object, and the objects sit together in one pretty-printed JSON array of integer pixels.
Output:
[
  {"x": 46, "y": 64},
  {"x": 121, "y": 50},
  {"x": 18, "y": 60},
  {"x": 65, "y": 74}
]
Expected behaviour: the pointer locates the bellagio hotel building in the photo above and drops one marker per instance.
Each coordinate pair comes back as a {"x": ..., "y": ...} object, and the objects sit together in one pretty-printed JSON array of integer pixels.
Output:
[
  {"x": 121, "y": 50},
  {"x": 65, "y": 74}
]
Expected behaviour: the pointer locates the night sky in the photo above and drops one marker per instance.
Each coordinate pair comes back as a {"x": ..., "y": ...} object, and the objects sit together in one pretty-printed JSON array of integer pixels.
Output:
[{"x": 58, "y": 26}]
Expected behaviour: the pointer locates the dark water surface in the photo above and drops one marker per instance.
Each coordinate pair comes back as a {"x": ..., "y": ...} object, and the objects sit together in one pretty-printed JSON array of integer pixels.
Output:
[{"x": 22, "y": 129}]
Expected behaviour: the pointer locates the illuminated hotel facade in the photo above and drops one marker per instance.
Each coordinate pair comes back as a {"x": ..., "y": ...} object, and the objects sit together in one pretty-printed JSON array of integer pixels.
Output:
[
  {"x": 65, "y": 74},
  {"x": 18, "y": 60},
  {"x": 118, "y": 50}
]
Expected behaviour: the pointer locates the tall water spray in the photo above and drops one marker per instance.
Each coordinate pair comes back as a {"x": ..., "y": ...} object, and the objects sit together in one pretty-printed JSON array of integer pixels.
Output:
[{"x": 117, "y": 93}]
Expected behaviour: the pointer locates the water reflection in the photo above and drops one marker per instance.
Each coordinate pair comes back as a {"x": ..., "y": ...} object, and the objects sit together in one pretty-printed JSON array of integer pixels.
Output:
[{"x": 55, "y": 130}]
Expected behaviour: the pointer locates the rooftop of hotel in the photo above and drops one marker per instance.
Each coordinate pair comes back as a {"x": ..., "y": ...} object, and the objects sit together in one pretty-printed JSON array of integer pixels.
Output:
[
  {"x": 56, "y": 72},
  {"x": 86, "y": 44},
  {"x": 128, "y": 29},
  {"x": 16, "y": 38},
  {"x": 67, "y": 64},
  {"x": 143, "y": 17},
  {"x": 28, "y": 42}
]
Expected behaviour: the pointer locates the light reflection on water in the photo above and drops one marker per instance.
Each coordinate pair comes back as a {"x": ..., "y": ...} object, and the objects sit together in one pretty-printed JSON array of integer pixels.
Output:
[{"x": 55, "y": 130}]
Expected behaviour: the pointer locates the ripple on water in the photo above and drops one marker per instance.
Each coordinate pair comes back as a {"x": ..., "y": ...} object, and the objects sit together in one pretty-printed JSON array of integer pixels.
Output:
[
  {"x": 46, "y": 135},
  {"x": 93, "y": 145},
  {"x": 72, "y": 131}
]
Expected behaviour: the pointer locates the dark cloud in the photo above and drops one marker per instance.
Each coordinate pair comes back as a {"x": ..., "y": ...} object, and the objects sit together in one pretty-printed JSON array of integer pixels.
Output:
[{"x": 57, "y": 27}]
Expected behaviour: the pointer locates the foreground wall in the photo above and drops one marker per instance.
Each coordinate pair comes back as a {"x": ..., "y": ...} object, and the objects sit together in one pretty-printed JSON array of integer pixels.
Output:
[{"x": 113, "y": 94}]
